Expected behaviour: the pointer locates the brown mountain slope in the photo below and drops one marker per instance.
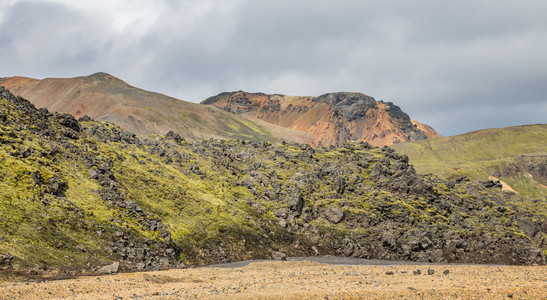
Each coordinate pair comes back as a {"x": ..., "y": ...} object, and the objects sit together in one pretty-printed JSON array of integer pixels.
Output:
[
  {"x": 330, "y": 119},
  {"x": 106, "y": 98}
]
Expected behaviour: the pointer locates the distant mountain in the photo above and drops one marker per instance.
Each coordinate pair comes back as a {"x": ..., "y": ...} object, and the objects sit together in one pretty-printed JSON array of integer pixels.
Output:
[
  {"x": 330, "y": 119},
  {"x": 516, "y": 155},
  {"x": 84, "y": 194},
  {"x": 106, "y": 98}
]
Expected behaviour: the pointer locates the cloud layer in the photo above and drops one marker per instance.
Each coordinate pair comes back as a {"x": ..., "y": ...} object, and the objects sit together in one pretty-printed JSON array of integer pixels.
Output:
[{"x": 455, "y": 65}]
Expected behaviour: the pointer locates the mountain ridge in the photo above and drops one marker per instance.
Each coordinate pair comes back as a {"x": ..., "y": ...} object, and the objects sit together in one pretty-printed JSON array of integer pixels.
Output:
[
  {"x": 104, "y": 97},
  {"x": 329, "y": 119}
]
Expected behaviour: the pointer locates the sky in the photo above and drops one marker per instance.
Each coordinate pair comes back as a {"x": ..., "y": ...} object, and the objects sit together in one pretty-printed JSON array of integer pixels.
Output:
[{"x": 457, "y": 65}]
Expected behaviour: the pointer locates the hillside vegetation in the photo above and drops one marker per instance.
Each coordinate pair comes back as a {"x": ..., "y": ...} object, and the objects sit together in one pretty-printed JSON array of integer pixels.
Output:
[
  {"x": 82, "y": 194},
  {"x": 516, "y": 155}
]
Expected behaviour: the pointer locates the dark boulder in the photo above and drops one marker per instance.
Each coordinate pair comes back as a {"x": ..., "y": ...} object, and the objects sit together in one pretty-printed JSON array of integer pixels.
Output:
[
  {"x": 85, "y": 118},
  {"x": 68, "y": 120},
  {"x": 296, "y": 203},
  {"x": 5, "y": 260}
]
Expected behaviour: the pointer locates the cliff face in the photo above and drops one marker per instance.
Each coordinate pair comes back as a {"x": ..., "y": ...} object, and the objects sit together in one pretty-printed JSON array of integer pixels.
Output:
[{"x": 330, "y": 119}]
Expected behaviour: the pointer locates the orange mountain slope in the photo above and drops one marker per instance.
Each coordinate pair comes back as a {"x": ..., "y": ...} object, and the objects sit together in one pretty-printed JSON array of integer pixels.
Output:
[
  {"x": 106, "y": 98},
  {"x": 330, "y": 119}
]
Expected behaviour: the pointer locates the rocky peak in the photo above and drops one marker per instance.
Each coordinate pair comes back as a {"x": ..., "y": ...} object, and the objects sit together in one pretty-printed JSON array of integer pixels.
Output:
[{"x": 345, "y": 99}]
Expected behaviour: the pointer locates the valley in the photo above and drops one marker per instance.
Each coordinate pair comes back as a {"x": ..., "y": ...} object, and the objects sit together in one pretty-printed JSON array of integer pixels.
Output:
[{"x": 88, "y": 197}]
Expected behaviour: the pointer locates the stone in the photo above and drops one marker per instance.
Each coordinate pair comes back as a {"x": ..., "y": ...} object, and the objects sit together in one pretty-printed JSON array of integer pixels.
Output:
[
  {"x": 36, "y": 177},
  {"x": 282, "y": 213},
  {"x": 340, "y": 185},
  {"x": 430, "y": 271},
  {"x": 110, "y": 269},
  {"x": 70, "y": 133},
  {"x": 390, "y": 273},
  {"x": 85, "y": 118},
  {"x": 53, "y": 187},
  {"x": 68, "y": 121},
  {"x": 141, "y": 266},
  {"x": 334, "y": 214},
  {"x": 277, "y": 255},
  {"x": 446, "y": 272},
  {"x": 296, "y": 203},
  {"x": 105, "y": 166},
  {"x": 5, "y": 260},
  {"x": 417, "y": 272},
  {"x": 92, "y": 174}
]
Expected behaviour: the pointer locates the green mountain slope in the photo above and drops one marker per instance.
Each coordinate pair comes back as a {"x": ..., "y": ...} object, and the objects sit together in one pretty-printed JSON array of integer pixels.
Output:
[
  {"x": 79, "y": 195},
  {"x": 516, "y": 155}
]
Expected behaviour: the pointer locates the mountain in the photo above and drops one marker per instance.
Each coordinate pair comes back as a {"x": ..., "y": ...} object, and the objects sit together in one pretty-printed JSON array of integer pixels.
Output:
[
  {"x": 106, "y": 98},
  {"x": 84, "y": 194},
  {"x": 326, "y": 120},
  {"x": 516, "y": 155},
  {"x": 330, "y": 119}
]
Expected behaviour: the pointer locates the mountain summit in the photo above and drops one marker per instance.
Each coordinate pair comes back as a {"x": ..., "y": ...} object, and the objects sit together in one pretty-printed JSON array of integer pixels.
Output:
[
  {"x": 104, "y": 97},
  {"x": 330, "y": 119}
]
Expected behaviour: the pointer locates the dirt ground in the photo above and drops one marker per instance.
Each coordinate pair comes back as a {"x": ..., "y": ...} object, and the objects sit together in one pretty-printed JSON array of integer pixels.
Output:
[{"x": 299, "y": 280}]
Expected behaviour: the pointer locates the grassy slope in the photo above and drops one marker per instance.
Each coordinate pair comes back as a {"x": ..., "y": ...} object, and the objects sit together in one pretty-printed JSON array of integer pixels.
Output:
[{"x": 479, "y": 154}]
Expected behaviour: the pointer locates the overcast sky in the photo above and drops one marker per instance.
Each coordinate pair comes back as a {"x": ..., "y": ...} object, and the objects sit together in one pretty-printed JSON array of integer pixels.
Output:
[{"x": 457, "y": 65}]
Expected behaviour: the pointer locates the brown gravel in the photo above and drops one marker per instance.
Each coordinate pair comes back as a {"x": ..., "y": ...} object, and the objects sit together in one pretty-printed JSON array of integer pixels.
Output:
[{"x": 298, "y": 280}]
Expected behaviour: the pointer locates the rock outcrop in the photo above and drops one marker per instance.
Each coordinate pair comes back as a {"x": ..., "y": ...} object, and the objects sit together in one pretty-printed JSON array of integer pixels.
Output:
[{"x": 330, "y": 119}]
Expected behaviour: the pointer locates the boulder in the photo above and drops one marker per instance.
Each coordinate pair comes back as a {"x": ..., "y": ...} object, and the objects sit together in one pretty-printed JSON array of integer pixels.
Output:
[
  {"x": 296, "y": 203},
  {"x": 334, "y": 214},
  {"x": 277, "y": 255},
  {"x": 5, "y": 260},
  {"x": 93, "y": 174},
  {"x": 68, "y": 120},
  {"x": 85, "y": 118},
  {"x": 110, "y": 269}
]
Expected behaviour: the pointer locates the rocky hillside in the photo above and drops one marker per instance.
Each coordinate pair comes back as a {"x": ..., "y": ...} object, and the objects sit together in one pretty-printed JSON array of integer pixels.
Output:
[
  {"x": 106, "y": 98},
  {"x": 515, "y": 155},
  {"x": 330, "y": 119},
  {"x": 83, "y": 194}
]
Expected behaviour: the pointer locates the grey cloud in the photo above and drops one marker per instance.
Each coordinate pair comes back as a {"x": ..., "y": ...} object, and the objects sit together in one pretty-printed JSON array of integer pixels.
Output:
[{"x": 458, "y": 66}]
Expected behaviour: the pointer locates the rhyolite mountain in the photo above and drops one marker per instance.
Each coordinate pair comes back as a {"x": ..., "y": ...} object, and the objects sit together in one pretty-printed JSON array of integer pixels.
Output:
[
  {"x": 106, "y": 98},
  {"x": 330, "y": 119},
  {"x": 83, "y": 194}
]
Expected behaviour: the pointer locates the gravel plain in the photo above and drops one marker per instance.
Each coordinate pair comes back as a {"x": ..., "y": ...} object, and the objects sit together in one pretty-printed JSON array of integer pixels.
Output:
[{"x": 298, "y": 279}]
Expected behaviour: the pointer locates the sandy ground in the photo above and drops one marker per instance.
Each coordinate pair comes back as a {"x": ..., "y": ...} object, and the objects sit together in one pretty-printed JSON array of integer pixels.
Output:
[{"x": 298, "y": 280}]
